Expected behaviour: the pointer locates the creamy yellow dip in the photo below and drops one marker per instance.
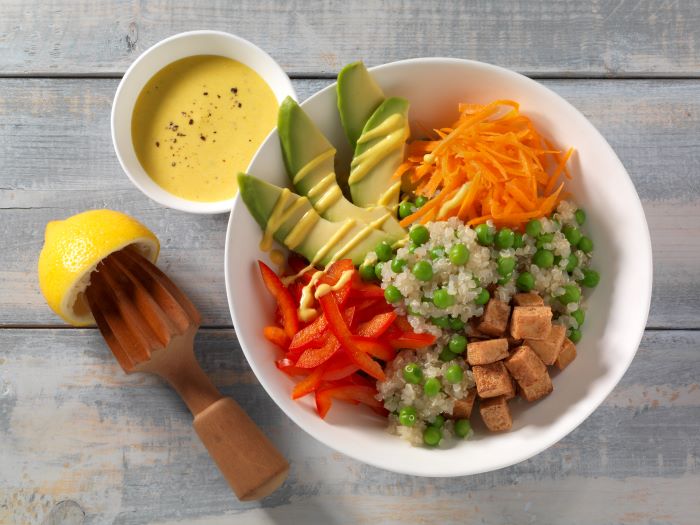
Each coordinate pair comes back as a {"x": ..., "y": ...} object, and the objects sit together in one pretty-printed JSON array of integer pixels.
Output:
[{"x": 198, "y": 122}]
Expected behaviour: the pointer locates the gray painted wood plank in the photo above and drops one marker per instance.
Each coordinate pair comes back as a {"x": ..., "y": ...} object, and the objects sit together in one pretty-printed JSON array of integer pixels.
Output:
[
  {"x": 625, "y": 37},
  {"x": 56, "y": 159},
  {"x": 74, "y": 428}
]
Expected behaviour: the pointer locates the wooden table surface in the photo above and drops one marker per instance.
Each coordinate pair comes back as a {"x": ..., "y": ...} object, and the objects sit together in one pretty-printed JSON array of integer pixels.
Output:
[{"x": 80, "y": 442}]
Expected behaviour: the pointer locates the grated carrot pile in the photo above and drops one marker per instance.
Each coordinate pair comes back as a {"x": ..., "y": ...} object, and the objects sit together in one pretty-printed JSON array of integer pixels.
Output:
[{"x": 491, "y": 164}]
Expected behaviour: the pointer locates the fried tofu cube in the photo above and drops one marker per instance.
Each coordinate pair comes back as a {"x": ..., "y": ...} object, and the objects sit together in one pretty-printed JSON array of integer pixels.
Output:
[
  {"x": 485, "y": 352},
  {"x": 473, "y": 332},
  {"x": 527, "y": 299},
  {"x": 531, "y": 322},
  {"x": 525, "y": 366},
  {"x": 463, "y": 407},
  {"x": 492, "y": 380},
  {"x": 513, "y": 343},
  {"x": 537, "y": 390},
  {"x": 566, "y": 354},
  {"x": 496, "y": 414},
  {"x": 548, "y": 349},
  {"x": 512, "y": 392},
  {"x": 495, "y": 319}
]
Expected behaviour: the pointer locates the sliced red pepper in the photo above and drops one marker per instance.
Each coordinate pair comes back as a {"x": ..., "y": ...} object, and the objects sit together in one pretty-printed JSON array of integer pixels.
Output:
[
  {"x": 334, "y": 272},
  {"x": 367, "y": 291},
  {"x": 285, "y": 302},
  {"x": 403, "y": 324},
  {"x": 369, "y": 311},
  {"x": 315, "y": 334},
  {"x": 351, "y": 393},
  {"x": 376, "y": 326},
  {"x": 308, "y": 384},
  {"x": 339, "y": 367},
  {"x": 356, "y": 347},
  {"x": 409, "y": 339},
  {"x": 277, "y": 336},
  {"x": 296, "y": 263},
  {"x": 313, "y": 357},
  {"x": 287, "y": 366}
]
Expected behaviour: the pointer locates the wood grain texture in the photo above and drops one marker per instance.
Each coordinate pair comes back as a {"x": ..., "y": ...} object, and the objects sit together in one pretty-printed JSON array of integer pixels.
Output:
[
  {"x": 74, "y": 428},
  {"x": 564, "y": 38},
  {"x": 56, "y": 159}
]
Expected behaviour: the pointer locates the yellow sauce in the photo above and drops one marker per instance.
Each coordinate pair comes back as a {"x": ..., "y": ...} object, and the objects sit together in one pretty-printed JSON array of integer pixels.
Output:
[
  {"x": 312, "y": 164},
  {"x": 198, "y": 122},
  {"x": 324, "y": 289},
  {"x": 277, "y": 258},
  {"x": 396, "y": 135}
]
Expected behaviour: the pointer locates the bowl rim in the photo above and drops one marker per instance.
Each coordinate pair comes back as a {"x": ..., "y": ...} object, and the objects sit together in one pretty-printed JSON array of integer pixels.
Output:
[
  {"x": 168, "y": 199},
  {"x": 600, "y": 394}
]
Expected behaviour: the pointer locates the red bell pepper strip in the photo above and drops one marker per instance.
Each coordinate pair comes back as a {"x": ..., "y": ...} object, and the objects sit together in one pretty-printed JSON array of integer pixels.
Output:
[
  {"x": 376, "y": 326},
  {"x": 409, "y": 339},
  {"x": 313, "y": 357},
  {"x": 276, "y": 336},
  {"x": 285, "y": 302},
  {"x": 367, "y": 291},
  {"x": 351, "y": 393},
  {"x": 356, "y": 347},
  {"x": 315, "y": 334},
  {"x": 308, "y": 384},
  {"x": 339, "y": 367},
  {"x": 287, "y": 366}
]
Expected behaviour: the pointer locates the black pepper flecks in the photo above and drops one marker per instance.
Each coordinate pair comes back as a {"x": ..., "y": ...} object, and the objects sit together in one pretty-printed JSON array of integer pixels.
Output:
[
  {"x": 191, "y": 122},
  {"x": 157, "y": 144},
  {"x": 202, "y": 137},
  {"x": 206, "y": 93},
  {"x": 234, "y": 90},
  {"x": 240, "y": 105}
]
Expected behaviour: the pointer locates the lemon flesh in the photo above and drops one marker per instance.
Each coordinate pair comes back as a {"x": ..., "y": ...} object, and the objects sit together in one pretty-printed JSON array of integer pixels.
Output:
[{"x": 72, "y": 250}]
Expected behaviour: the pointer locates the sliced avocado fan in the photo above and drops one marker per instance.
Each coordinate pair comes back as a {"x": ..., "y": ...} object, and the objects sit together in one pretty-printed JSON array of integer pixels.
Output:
[
  {"x": 293, "y": 222},
  {"x": 358, "y": 97},
  {"x": 379, "y": 152},
  {"x": 308, "y": 157}
]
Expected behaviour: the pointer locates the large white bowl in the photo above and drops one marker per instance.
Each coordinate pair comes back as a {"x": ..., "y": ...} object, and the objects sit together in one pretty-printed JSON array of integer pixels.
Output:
[
  {"x": 617, "y": 308},
  {"x": 156, "y": 58}
]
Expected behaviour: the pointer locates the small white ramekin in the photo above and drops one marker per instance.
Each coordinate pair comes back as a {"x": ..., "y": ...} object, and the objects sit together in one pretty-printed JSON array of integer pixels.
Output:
[{"x": 153, "y": 60}]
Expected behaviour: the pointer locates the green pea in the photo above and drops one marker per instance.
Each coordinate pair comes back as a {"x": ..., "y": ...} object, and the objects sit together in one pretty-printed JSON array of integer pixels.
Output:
[
  {"x": 457, "y": 344},
  {"x": 533, "y": 228},
  {"x": 454, "y": 374},
  {"x": 420, "y": 201},
  {"x": 408, "y": 416},
  {"x": 412, "y": 373},
  {"x": 378, "y": 270},
  {"x": 506, "y": 265},
  {"x": 591, "y": 278},
  {"x": 406, "y": 208},
  {"x": 575, "y": 335},
  {"x": 412, "y": 311},
  {"x": 484, "y": 234},
  {"x": 456, "y": 323},
  {"x": 397, "y": 265},
  {"x": 572, "y": 234},
  {"x": 392, "y": 294},
  {"x": 412, "y": 247},
  {"x": 423, "y": 271},
  {"x": 580, "y": 316},
  {"x": 431, "y": 387},
  {"x": 525, "y": 282},
  {"x": 462, "y": 427},
  {"x": 419, "y": 234},
  {"x": 441, "y": 322},
  {"x": 383, "y": 251},
  {"x": 505, "y": 279},
  {"x": 442, "y": 299},
  {"x": 518, "y": 241},
  {"x": 459, "y": 254},
  {"x": 543, "y": 258},
  {"x": 572, "y": 264},
  {"x": 505, "y": 239},
  {"x": 437, "y": 252},
  {"x": 439, "y": 421},
  {"x": 585, "y": 245},
  {"x": 571, "y": 294},
  {"x": 545, "y": 238},
  {"x": 483, "y": 297},
  {"x": 432, "y": 436},
  {"x": 367, "y": 272},
  {"x": 580, "y": 216},
  {"x": 446, "y": 355}
]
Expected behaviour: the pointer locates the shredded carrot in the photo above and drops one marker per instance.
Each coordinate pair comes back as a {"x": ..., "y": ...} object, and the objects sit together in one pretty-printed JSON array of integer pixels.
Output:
[{"x": 513, "y": 173}]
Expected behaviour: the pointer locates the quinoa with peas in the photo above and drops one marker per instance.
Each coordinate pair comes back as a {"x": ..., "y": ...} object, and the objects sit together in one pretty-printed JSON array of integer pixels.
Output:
[{"x": 442, "y": 278}]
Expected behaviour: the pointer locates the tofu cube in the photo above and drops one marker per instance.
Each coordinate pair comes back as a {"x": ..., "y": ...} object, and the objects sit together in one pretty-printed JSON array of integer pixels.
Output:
[
  {"x": 527, "y": 299},
  {"x": 496, "y": 414},
  {"x": 525, "y": 366},
  {"x": 492, "y": 380},
  {"x": 531, "y": 322},
  {"x": 548, "y": 349},
  {"x": 566, "y": 354},
  {"x": 486, "y": 352},
  {"x": 463, "y": 407},
  {"x": 537, "y": 390},
  {"x": 495, "y": 319},
  {"x": 513, "y": 343},
  {"x": 512, "y": 392}
]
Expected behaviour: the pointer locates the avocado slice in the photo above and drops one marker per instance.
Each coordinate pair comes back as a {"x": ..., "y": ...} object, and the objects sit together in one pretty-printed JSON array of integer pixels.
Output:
[
  {"x": 379, "y": 151},
  {"x": 308, "y": 157},
  {"x": 358, "y": 97},
  {"x": 320, "y": 235}
]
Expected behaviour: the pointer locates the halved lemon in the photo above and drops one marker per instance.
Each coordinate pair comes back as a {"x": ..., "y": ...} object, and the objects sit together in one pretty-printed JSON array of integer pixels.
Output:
[{"x": 72, "y": 250}]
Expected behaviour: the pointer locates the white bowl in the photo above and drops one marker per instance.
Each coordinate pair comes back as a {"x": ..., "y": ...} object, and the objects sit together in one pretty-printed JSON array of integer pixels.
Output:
[
  {"x": 618, "y": 307},
  {"x": 156, "y": 58}
]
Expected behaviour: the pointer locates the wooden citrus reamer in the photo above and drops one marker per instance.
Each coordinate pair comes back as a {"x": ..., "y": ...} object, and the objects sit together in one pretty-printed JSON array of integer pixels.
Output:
[{"x": 149, "y": 325}]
